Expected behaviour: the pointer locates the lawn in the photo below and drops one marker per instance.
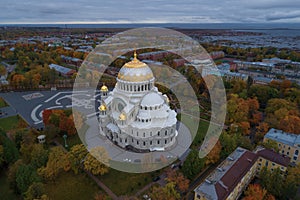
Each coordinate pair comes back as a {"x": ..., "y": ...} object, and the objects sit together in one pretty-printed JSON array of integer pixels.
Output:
[
  {"x": 69, "y": 186},
  {"x": 2, "y": 103},
  {"x": 10, "y": 123},
  {"x": 5, "y": 192},
  {"x": 202, "y": 129},
  {"x": 122, "y": 183}
]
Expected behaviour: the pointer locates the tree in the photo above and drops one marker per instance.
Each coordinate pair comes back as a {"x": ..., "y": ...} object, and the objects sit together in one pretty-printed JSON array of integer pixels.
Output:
[
  {"x": 214, "y": 154},
  {"x": 26, "y": 175},
  {"x": 192, "y": 165},
  {"x": 168, "y": 192},
  {"x": 39, "y": 156},
  {"x": 10, "y": 151},
  {"x": 255, "y": 192},
  {"x": 57, "y": 162},
  {"x": 180, "y": 181},
  {"x": 35, "y": 191},
  {"x": 290, "y": 123},
  {"x": 96, "y": 161},
  {"x": 229, "y": 144},
  {"x": 76, "y": 156},
  {"x": 261, "y": 130}
]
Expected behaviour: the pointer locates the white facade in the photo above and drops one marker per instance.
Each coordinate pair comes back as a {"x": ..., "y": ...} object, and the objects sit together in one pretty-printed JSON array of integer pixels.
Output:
[{"x": 135, "y": 115}]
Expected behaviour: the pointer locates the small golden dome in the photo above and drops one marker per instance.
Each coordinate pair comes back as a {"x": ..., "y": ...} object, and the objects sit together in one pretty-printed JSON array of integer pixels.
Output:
[
  {"x": 104, "y": 88},
  {"x": 122, "y": 117},
  {"x": 102, "y": 107}
]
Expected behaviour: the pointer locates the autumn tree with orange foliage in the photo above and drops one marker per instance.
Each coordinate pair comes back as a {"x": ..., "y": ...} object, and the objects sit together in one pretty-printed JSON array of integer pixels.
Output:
[
  {"x": 256, "y": 192},
  {"x": 214, "y": 154},
  {"x": 180, "y": 181}
]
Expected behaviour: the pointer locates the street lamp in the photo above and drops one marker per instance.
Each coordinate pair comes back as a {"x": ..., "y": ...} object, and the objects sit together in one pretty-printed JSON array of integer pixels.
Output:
[{"x": 65, "y": 138}]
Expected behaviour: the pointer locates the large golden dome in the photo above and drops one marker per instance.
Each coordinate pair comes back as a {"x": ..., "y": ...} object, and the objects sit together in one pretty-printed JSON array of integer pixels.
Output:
[{"x": 135, "y": 71}]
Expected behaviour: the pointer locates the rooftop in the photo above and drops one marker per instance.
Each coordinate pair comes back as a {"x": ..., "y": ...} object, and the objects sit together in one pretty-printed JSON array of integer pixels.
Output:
[
  {"x": 283, "y": 137},
  {"x": 273, "y": 156},
  {"x": 220, "y": 183}
]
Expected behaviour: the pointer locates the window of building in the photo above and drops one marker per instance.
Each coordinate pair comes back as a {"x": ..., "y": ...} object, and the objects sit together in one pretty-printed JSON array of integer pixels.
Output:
[
  {"x": 144, "y": 134},
  {"x": 144, "y": 143},
  {"x": 297, "y": 152},
  {"x": 295, "y": 157},
  {"x": 267, "y": 163},
  {"x": 165, "y": 141},
  {"x": 166, "y": 132},
  {"x": 288, "y": 153},
  {"x": 137, "y": 142},
  {"x": 157, "y": 141},
  {"x": 282, "y": 151},
  {"x": 150, "y": 142},
  {"x": 158, "y": 133}
]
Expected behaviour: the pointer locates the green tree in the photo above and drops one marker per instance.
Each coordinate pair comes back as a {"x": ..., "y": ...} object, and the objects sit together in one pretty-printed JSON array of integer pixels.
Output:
[
  {"x": 39, "y": 156},
  {"x": 26, "y": 175},
  {"x": 192, "y": 165}
]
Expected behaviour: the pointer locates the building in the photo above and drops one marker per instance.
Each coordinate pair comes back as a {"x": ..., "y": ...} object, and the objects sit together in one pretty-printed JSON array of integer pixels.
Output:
[
  {"x": 271, "y": 160},
  {"x": 135, "y": 115},
  {"x": 233, "y": 175},
  {"x": 230, "y": 178},
  {"x": 62, "y": 70},
  {"x": 288, "y": 143}
]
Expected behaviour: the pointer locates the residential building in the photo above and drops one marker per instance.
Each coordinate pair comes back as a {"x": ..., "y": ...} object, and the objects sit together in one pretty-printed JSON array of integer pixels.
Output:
[
  {"x": 232, "y": 176},
  {"x": 288, "y": 143}
]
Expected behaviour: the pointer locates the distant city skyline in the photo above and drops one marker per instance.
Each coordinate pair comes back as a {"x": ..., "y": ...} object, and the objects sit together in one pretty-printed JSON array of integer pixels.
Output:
[{"x": 153, "y": 11}]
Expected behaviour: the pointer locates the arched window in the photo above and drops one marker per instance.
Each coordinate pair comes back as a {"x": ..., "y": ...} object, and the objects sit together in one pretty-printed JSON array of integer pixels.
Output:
[
  {"x": 158, "y": 134},
  {"x": 144, "y": 143},
  {"x": 297, "y": 152},
  {"x": 157, "y": 141},
  {"x": 144, "y": 134},
  {"x": 150, "y": 142},
  {"x": 166, "y": 132},
  {"x": 165, "y": 141}
]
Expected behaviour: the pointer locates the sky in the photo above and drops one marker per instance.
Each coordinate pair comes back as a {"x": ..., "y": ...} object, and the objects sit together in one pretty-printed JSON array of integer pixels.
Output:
[{"x": 149, "y": 11}]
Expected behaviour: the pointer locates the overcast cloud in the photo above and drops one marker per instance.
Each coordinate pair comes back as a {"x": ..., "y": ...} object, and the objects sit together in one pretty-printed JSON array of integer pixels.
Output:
[{"x": 149, "y": 11}]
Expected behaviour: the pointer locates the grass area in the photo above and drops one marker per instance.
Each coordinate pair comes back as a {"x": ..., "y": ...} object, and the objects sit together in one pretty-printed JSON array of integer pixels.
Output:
[
  {"x": 12, "y": 122},
  {"x": 122, "y": 183},
  {"x": 2, "y": 103},
  {"x": 69, "y": 186},
  {"x": 5, "y": 192},
  {"x": 202, "y": 129}
]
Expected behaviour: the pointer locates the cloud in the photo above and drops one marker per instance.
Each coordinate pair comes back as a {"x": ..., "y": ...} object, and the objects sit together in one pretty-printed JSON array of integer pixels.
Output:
[{"x": 142, "y": 11}]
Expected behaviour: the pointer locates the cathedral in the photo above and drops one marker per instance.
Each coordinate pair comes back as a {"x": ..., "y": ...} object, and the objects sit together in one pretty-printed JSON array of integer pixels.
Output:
[{"x": 135, "y": 115}]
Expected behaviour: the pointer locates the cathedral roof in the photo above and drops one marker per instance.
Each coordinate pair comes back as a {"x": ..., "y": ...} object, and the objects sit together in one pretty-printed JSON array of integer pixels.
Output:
[
  {"x": 135, "y": 71},
  {"x": 152, "y": 99}
]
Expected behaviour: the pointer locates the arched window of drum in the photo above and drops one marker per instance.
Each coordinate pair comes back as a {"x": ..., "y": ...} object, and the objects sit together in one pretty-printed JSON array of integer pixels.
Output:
[
  {"x": 137, "y": 133},
  {"x": 144, "y": 134},
  {"x": 157, "y": 141},
  {"x": 150, "y": 142},
  {"x": 150, "y": 133},
  {"x": 137, "y": 142},
  {"x": 144, "y": 143},
  {"x": 158, "y": 133},
  {"x": 166, "y": 132},
  {"x": 165, "y": 141},
  {"x": 172, "y": 130},
  {"x": 297, "y": 152},
  {"x": 142, "y": 87}
]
